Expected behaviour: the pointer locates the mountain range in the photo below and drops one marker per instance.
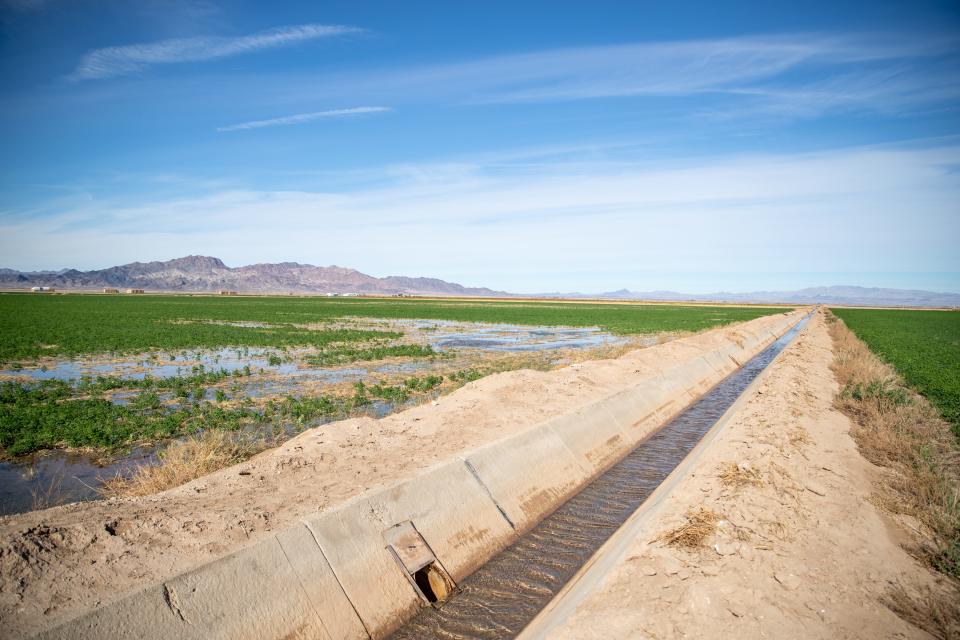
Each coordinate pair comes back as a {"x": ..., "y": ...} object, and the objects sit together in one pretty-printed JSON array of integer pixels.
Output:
[
  {"x": 203, "y": 273},
  {"x": 206, "y": 274},
  {"x": 832, "y": 295}
]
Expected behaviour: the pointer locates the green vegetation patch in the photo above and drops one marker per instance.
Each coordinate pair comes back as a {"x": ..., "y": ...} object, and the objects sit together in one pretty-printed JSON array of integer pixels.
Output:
[
  {"x": 71, "y": 325},
  {"x": 33, "y": 326},
  {"x": 47, "y": 415},
  {"x": 53, "y": 414},
  {"x": 200, "y": 377},
  {"x": 924, "y": 346}
]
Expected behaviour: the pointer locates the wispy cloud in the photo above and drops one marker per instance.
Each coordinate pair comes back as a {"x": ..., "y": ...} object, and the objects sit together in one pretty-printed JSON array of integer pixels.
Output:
[
  {"x": 681, "y": 68},
  {"x": 300, "y": 118},
  {"x": 824, "y": 72},
  {"x": 115, "y": 61}
]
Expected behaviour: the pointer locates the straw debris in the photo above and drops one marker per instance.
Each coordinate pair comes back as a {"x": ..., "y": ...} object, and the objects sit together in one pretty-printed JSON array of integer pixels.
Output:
[
  {"x": 700, "y": 525},
  {"x": 935, "y": 612},
  {"x": 737, "y": 476},
  {"x": 182, "y": 462}
]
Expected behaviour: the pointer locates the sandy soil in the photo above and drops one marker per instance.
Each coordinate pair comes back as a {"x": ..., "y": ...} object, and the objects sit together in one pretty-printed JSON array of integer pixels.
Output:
[
  {"x": 802, "y": 553},
  {"x": 57, "y": 562}
]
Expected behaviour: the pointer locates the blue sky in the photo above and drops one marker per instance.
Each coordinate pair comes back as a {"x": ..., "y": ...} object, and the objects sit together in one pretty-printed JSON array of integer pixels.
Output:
[{"x": 555, "y": 146}]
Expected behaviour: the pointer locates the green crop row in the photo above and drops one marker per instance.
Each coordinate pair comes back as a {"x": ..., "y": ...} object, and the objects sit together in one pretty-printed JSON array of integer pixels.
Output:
[
  {"x": 923, "y": 346},
  {"x": 99, "y": 384}
]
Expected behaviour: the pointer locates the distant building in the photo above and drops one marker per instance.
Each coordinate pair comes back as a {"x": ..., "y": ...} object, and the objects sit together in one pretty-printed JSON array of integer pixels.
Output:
[
  {"x": 134, "y": 290},
  {"x": 228, "y": 293},
  {"x": 41, "y": 289},
  {"x": 109, "y": 290}
]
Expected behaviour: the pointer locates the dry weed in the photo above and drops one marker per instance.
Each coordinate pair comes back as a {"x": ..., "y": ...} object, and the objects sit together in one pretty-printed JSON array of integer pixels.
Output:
[
  {"x": 799, "y": 437},
  {"x": 784, "y": 485},
  {"x": 889, "y": 502},
  {"x": 737, "y": 476},
  {"x": 936, "y": 613},
  {"x": 777, "y": 530},
  {"x": 50, "y": 494},
  {"x": 898, "y": 429},
  {"x": 182, "y": 462},
  {"x": 700, "y": 525}
]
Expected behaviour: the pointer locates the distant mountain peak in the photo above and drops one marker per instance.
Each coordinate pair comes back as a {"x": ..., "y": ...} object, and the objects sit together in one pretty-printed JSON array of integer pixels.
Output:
[{"x": 208, "y": 263}]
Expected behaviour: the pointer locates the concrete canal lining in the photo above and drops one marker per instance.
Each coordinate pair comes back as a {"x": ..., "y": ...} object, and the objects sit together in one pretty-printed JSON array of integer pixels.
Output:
[
  {"x": 347, "y": 573},
  {"x": 615, "y": 548}
]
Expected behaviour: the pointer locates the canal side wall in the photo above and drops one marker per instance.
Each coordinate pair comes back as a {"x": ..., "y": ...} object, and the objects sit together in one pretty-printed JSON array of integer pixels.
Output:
[
  {"x": 614, "y": 549},
  {"x": 340, "y": 574}
]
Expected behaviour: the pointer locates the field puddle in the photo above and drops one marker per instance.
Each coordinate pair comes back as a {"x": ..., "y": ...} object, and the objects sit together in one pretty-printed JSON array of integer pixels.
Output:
[
  {"x": 443, "y": 336},
  {"x": 52, "y": 478},
  {"x": 508, "y": 337}
]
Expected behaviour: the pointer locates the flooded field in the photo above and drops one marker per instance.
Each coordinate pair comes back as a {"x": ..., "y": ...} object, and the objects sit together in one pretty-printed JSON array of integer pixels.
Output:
[{"x": 264, "y": 394}]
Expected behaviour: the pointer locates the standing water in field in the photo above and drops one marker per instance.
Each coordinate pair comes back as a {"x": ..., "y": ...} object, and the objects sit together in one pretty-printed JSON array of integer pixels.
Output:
[{"x": 250, "y": 381}]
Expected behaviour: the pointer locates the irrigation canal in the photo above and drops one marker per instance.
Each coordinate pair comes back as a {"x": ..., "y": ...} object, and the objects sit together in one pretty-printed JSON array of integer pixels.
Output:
[{"x": 503, "y": 596}]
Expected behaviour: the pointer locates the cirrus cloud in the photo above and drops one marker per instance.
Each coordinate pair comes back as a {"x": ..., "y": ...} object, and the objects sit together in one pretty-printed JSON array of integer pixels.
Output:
[
  {"x": 116, "y": 61},
  {"x": 300, "y": 118}
]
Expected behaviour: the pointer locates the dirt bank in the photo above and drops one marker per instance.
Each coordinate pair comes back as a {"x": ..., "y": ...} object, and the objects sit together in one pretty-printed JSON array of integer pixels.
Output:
[
  {"x": 798, "y": 549},
  {"x": 58, "y": 562}
]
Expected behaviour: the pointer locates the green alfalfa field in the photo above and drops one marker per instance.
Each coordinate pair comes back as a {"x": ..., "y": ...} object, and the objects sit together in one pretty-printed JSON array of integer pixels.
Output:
[
  {"x": 33, "y": 326},
  {"x": 48, "y": 414},
  {"x": 923, "y": 346}
]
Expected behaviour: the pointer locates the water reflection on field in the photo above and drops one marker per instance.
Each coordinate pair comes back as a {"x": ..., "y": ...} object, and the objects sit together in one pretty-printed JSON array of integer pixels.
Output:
[{"x": 261, "y": 375}]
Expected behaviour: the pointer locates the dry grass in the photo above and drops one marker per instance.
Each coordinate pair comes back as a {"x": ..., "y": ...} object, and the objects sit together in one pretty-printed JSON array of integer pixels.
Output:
[
  {"x": 799, "y": 437},
  {"x": 936, "y": 613},
  {"x": 700, "y": 525},
  {"x": 898, "y": 429},
  {"x": 50, "y": 494},
  {"x": 737, "y": 476},
  {"x": 182, "y": 462}
]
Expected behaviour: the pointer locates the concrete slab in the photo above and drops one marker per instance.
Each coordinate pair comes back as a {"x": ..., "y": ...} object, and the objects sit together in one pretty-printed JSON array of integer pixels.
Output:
[
  {"x": 320, "y": 585},
  {"x": 594, "y": 435},
  {"x": 144, "y": 615},
  {"x": 254, "y": 593},
  {"x": 449, "y": 508},
  {"x": 529, "y": 475}
]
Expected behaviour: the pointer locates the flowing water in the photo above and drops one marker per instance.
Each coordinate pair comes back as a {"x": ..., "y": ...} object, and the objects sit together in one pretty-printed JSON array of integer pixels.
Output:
[{"x": 503, "y": 596}]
